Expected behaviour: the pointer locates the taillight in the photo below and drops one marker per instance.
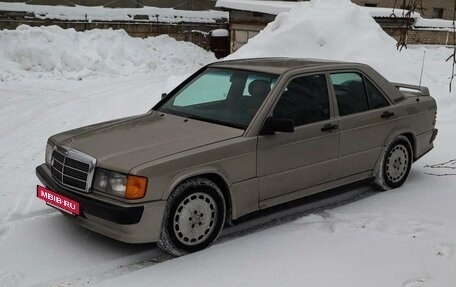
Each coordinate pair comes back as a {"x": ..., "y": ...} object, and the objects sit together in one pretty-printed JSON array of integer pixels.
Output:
[{"x": 435, "y": 119}]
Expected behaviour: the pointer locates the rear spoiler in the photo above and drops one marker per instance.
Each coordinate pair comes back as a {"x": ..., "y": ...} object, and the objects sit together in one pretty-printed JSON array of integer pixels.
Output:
[{"x": 424, "y": 91}]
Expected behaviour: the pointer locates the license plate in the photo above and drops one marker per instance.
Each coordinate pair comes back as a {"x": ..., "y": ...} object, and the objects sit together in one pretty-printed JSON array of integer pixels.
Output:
[{"x": 58, "y": 201}]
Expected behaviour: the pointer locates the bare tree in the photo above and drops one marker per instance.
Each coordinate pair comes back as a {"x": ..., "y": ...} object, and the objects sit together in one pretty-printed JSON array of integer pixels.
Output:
[
  {"x": 408, "y": 8},
  {"x": 453, "y": 56}
]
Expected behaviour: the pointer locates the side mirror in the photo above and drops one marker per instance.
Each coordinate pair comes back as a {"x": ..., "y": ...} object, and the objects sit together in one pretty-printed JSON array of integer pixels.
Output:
[
  {"x": 272, "y": 125},
  {"x": 164, "y": 95}
]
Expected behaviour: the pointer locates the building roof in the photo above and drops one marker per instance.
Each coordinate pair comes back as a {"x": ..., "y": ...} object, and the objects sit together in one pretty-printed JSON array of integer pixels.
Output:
[
  {"x": 267, "y": 7},
  {"x": 277, "y": 7},
  {"x": 99, "y": 13},
  {"x": 274, "y": 65}
]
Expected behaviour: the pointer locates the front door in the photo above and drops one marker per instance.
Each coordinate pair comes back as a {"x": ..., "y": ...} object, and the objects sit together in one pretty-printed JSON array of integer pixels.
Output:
[{"x": 290, "y": 162}]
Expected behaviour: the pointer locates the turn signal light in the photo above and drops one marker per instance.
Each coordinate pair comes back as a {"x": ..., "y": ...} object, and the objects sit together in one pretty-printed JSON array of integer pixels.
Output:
[{"x": 136, "y": 187}]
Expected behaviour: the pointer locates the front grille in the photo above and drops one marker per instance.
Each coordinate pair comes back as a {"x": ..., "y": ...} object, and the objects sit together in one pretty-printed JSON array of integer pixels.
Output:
[{"x": 72, "y": 168}]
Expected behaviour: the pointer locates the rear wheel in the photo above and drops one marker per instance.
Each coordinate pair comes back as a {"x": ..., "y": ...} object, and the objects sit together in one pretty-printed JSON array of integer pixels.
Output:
[
  {"x": 395, "y": 165},
  {"x": 193, "y": 218}
]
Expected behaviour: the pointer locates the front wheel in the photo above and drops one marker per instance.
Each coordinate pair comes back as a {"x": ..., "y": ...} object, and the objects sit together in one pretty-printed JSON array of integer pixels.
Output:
[
  {"x": 193, "y": 218},
  {"x": 395, "y": 165}
]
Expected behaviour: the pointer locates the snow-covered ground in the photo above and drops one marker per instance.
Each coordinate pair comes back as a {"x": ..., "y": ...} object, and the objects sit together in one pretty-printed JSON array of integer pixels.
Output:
[{"x": 405, "y": 237}]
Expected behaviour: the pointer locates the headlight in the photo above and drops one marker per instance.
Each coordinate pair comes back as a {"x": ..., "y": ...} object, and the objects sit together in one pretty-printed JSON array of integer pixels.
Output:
[
  {"x": 48, "y": 156},
  {"x": 119, "y": 184}
]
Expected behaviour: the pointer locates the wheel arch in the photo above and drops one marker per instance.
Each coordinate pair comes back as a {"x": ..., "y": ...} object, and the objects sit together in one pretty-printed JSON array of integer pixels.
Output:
[
  {"x": 412, "y": 139},
  {"x": 213, "y": 175},
  {"x": 407, "y": 133}
]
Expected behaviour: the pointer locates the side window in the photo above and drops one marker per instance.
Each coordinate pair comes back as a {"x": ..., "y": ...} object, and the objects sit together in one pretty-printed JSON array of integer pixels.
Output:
[
  {"x": 305, "y": 100},
  {"x": 210, "y": 87},
  {"x": 376, "y": 98},
  {"x": 350, "y": 93}
]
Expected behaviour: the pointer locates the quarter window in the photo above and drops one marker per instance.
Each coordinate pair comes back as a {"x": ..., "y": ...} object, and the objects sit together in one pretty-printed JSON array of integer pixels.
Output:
[
  {"x": 375, "y": 97},
  {"x": 305, "y": 100}
]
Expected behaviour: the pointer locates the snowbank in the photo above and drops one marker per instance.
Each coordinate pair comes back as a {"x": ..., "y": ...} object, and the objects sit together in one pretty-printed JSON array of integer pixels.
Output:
[
  {"x": 331, "y": 29},
  {"x": 53, "y": 52}
]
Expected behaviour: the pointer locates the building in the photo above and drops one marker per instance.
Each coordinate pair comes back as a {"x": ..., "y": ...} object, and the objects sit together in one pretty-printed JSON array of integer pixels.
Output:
[
  {"x": 440, "y": 9},
  {"x": 208, "y": 29},
  {"x": 248, "y": 17},
  {"x": 176, "y": 4}
]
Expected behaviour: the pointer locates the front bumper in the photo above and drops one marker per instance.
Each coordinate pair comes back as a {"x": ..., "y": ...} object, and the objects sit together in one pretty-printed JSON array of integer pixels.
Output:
[{"x": 133, "y": 223}]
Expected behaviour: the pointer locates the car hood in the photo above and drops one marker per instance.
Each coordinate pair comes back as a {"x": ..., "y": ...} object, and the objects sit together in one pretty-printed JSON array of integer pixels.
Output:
[{"x": 122, "y": 144}]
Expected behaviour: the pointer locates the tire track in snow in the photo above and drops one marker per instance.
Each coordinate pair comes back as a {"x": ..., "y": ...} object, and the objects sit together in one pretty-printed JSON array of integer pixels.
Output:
[
  {"x": 420, "y": 282},
  {"x": 96, "y": 277},
  {"x": 9, "y": 279},
  {"x": 13, "y": 218},
  {"x": 259, "y": 221},
  {"x": 432, "y": 235}
]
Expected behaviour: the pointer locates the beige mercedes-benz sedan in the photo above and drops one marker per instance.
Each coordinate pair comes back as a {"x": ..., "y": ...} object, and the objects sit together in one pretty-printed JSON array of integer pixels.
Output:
[{"x": 236, "y": 137}]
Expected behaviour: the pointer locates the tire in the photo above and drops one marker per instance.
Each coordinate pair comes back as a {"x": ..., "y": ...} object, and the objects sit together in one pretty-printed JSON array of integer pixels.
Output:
[
  {"x": 194, "y": 217},
  {"x": 395, "y": 165}
]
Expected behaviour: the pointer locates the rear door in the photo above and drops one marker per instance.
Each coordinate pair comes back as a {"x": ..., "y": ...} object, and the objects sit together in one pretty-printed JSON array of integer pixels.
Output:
[
  {"x": 366, "y": 118},
  {"x": 289, "y": 162}
]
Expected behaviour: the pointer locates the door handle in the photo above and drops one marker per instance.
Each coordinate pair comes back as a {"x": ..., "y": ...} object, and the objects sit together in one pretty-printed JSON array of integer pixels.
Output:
[
  {"x": 387, "y": 115},
  {"x": 329, "y": 127}
]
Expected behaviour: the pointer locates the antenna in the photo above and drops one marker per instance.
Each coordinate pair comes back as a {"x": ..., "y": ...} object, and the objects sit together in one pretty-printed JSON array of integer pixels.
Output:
[
  {"x": 421, "y": 75},
  {"x": 422, "y": 68}
]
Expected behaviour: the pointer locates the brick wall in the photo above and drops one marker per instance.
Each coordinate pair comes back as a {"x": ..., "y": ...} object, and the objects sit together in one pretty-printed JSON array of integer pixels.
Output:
[{"x": 427, "y": 37}]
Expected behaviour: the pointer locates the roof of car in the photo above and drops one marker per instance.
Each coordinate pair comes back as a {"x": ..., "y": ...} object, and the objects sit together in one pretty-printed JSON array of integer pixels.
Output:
[{"x": 276, "y": 65}]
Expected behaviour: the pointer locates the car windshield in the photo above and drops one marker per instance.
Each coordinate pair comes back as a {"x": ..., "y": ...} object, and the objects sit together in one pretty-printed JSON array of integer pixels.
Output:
[{"x": 222, "y": 96}]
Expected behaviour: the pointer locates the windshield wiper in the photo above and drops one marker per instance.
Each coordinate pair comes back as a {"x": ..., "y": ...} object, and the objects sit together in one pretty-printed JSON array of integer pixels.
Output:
[{"x": 200, "y": 118}]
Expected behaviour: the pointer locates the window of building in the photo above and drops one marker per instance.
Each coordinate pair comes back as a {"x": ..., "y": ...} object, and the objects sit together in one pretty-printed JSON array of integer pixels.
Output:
[{"x": 437, "y": 13}]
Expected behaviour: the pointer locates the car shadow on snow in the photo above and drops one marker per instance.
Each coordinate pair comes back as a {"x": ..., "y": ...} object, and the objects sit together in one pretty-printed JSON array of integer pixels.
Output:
[{"x": 295, "y": 209}]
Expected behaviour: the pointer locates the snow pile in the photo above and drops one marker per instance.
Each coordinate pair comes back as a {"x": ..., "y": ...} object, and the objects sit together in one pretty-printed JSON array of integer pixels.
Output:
[
  {"x": 331, "y": 29},
  {"x": 53, "y": 52}
]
